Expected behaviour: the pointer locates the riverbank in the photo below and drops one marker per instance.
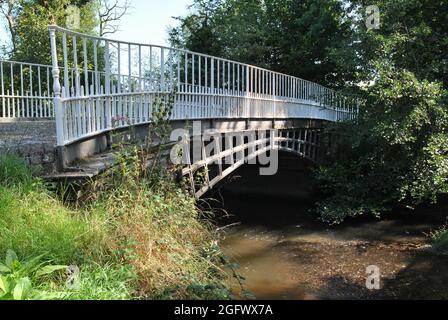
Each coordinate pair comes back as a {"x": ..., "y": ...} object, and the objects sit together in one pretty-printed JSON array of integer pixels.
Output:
[{"x": 130, "y": 237}]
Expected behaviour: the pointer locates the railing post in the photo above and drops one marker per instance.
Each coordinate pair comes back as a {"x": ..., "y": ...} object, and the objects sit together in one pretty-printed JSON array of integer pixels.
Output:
[
  {"x": 108, "y": 111},
  {"x": 2, "y": 84},
  {"x": 57, "y": 102},
  {"x": 247, "y": 92},
  {"x": 162, "y": 70}
]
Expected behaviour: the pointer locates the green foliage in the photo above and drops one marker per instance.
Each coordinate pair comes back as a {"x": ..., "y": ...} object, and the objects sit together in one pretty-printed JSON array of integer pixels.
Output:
[
  {"x": 413, "y": 35},
  {"x": 32, "y": 222},
  {"x": 18, "y": 278},
  {"x": 29, "y": 33},
  {"x": 136, "y": 234},
  {"x": 158, "y": 230},
  {"x": 396, "y": 154},
  {"x": 440, "y": 237},
  {"x": 275, "y": 34},
  {"x": 105, "y": 281},
  {"x": 13, "y": 170}
]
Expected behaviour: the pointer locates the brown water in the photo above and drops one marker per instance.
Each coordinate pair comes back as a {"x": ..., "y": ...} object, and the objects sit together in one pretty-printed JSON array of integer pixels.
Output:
[{"x": 285, "y": 252}]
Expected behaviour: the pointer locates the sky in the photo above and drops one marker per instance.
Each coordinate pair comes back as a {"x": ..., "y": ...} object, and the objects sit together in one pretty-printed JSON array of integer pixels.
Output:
[
  {"x": 147, "y": 22},
  {"x": 149, "y": 19}
]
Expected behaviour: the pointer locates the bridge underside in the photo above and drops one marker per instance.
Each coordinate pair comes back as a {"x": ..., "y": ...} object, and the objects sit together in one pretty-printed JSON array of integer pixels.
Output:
[
  {"x": 217, "y": 147},
  {"x": 90, "y": 146},
  {"x": 224, "y": 154}
]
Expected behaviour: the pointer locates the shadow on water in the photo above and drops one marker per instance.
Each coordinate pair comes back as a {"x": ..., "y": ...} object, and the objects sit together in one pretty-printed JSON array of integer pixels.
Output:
[{"x": 286, "y": 252}]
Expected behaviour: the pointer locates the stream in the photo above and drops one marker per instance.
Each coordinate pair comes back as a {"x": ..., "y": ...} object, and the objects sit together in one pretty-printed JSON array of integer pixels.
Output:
[{"x": 285, "y": 252}]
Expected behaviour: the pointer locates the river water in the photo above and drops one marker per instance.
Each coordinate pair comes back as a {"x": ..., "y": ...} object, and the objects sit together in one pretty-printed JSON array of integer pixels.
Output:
[{"x": 285, "y": 252}]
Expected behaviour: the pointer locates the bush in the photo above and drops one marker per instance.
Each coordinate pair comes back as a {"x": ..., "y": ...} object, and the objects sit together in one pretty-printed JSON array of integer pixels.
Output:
[{"x": 397, "y": 154}]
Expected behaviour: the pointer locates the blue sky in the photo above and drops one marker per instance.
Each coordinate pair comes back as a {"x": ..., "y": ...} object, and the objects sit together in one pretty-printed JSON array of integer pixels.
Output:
[
  {"x": 149, "y": 19},
  {"x": 147, "y": 22}
]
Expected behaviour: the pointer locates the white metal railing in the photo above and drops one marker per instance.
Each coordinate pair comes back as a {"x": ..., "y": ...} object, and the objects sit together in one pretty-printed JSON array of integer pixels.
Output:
[
  {"x": 106, "y": 83},
  {"x": 25, "y": 90}
]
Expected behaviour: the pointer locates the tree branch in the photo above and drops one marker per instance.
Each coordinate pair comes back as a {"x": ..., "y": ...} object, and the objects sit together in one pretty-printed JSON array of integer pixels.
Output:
[{"x": 110, "y": 14}]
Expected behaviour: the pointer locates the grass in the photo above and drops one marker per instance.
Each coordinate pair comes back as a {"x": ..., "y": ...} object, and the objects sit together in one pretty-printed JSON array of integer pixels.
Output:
[
  {"x": 440, "y": 237},
  {"x": 132, "y": 236}
]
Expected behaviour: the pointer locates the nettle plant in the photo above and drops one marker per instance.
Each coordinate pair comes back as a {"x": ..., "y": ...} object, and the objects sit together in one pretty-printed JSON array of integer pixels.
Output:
[
  {"x": 134, "y": 151},
  {"x": 19, "y": 279}
]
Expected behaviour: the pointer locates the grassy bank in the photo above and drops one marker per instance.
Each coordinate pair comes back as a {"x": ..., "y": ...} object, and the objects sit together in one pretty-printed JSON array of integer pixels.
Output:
[
  {"x": 440, "y": 238},
  {"x": 131, "y": 236}
]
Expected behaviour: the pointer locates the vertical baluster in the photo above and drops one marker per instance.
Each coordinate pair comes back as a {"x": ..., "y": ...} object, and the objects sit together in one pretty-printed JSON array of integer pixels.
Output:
[
  {"x": 39, "y": 91},
  {"x": 129, "y": 68},
  {"x": 24, "y": 111},
  {"x": 119, "y": 67},
  {"x": 218, "y": 75},
  {"x": 95, "y": 67},
  {"x": 31, "y": 99},
  {"x": 212, "y": 86},
  {"x": 49, "y": 111},
  {"x": 107, "y": 110},
  {"x": 151, "y": 77},
  {"x": 162, "y": 69},
  {"x": 77, "y": 93},
  {"x": 75, "y": 64},
  {"x": 86, "y": 67},
  {"x": 228, "y": 77},
  {"x": 171, "y": 80},
  {"x": 178, "y": 71},
  {"x": 223, "y": 76},
  {"x": 12, "y": 111},
  {"x": 186, "y": 73},
  {"x": 2, "y": 83},
  {"x": 201, "y": 97},
  {"x": 139, "y": 68},
  {"x": 247, "y": 85},
  {"x": 193, "y": 75}
]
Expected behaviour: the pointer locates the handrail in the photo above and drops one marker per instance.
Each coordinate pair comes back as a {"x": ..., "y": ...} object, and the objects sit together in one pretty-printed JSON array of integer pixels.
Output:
[{"x": 68, "y": 31}]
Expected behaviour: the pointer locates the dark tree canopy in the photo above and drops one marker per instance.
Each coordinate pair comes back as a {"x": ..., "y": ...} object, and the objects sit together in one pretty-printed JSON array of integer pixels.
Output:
[{"x": 302, "y": 38}]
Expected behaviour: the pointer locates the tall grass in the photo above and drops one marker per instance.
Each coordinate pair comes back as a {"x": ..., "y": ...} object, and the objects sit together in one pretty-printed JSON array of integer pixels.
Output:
[
  {"x": 158, "y": 230},
  {"x": 32, "y": 221},
  {"x": 133, "y": 236}
]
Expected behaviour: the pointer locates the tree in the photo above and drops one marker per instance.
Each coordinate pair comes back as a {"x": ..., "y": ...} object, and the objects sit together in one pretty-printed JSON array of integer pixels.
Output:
[
  {"x": 32, "y": 41},
  {"x": 9, "y": 9},
  {"x": 308, "y": 39},
  {"x": 397, "y": 152},
  {"x": 110, "y": 13}
]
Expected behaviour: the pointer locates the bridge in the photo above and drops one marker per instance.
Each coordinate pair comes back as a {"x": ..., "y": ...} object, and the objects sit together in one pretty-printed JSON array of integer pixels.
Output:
[{"x": 96, "y": 86}]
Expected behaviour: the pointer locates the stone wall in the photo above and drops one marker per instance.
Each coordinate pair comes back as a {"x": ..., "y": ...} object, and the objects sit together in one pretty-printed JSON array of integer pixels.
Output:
[{"x": 32, "y": 140}]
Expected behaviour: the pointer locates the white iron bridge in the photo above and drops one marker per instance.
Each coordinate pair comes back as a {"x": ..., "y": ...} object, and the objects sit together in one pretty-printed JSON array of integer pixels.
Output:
[{"x": 96, "y": 85}]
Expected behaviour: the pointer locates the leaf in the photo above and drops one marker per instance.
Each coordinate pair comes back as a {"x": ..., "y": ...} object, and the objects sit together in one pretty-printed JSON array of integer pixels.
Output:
[
  {"x": 49, "y": 269},
  {"x": 22, "y": 288},
  {"x": 32, "y": 265},
  {"x": 7, "y": 296},
  {"x": 11, "y": 256},
  {"x": 4, "y": 268},
  {"x": 5, "y": 285}
]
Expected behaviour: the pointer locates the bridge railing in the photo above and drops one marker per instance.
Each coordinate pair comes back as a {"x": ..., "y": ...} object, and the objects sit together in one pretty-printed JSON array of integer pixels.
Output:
[
  {"x": 25, "y": 90},
  {"x": 99, "y": 80}
]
